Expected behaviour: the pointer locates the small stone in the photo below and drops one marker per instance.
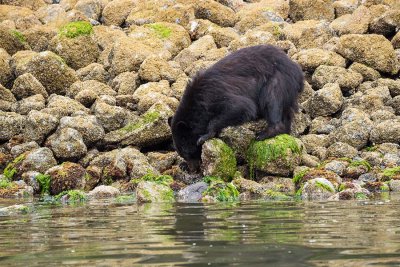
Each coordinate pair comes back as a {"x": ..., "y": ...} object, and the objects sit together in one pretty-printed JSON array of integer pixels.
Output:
[
  {"x": 103, "y": 191},
  {"x": 192, "y": 193}
]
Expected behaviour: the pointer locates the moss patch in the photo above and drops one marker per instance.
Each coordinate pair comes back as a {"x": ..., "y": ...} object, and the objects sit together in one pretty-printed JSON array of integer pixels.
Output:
[
  {"x": 159, "y": 179},
  {"x": 73, "y": 196},
  {"x": 76, "y": 28},
  {"x": 262, "y": 152},
  {"x": 146, "y": 118},
  {"x": 299, "y": 176},
  {"x": 125, "y": 199},
  {"x": 19, "y": 36},
  {"x": 275, "y": 195},
  {"x": 357, "y": 163},
  {"x": 324, "y": 186},
  {"x": 220, "y": 190},
  {"x": 161, "y": 30},
  {"x": 11, "y": 169},
  {"x": 226, "y": 164},
  {"x": 392, "y": 173},
  {"x": 44, "y": 182}
]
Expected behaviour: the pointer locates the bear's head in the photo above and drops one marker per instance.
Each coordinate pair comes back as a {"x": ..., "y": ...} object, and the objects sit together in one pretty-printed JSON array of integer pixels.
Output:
[{"x": 185, "y": 142}]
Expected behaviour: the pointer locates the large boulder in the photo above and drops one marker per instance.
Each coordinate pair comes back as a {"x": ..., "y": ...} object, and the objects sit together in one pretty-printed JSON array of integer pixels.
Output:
[
  {"x": 27, "y": 85},
  {"x": 115, "y": 12},
  {"x": 311, "y": 9},
  {"x": 38, "y": 125},
  {"x": 67, "y": 176},
  {"x": 308, "y": 33},
  {"x": 5, "y": 69},
  {"x": 326, "y": 101},
  {"x": 215, "y": 12},
  {"x": 11, "y": 124},
  {"x": 86, "y": 125},
  {"x": 12, "y": 40},
  {"x": 372, "y": 50},
  {"x": 346, "y": 79},
  {"x": 310, "y": 59},
  {"x": 387, "y": 131},
  {"x": 67, "y": 143}
]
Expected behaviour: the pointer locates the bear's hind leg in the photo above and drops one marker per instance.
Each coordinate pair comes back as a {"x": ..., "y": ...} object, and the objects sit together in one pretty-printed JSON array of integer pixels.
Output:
[{"x": 276, "y": 119}]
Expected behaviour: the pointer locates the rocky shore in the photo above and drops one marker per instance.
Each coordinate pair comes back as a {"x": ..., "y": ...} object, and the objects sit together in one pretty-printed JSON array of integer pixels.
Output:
[{"x": 87, "y": 87}]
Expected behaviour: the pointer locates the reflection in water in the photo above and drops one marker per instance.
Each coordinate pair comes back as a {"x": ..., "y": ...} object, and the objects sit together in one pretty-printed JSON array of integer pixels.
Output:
[{"x": 347, "y": 233}]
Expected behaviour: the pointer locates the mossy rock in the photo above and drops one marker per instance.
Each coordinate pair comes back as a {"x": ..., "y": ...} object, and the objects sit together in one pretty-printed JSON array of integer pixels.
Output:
[
  {"x": 218, "y": 159},
  {"x": 148, "y": 191},
  {"x": 307, "y": 175},
  {"x": 76, "y": 28},
  {"x": 277, "y": 156},
  {"x": 67, "y": 176},
  {"x": 12, "y": 41},
  {"x": 12, "y": 168},
  {"x": 71, "y": 196},
  {"x": 219, "y": 190},
  {"x": 275, "y": 195},
  {"x": 392, "y": 173},
  {"x": 150, "y": 177},
  {"x": 317, "y": 189}
]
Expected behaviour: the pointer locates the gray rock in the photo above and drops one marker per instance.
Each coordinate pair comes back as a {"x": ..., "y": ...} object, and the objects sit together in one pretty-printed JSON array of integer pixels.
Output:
[
  {"x": 314, "y": 141},
  {"x": 310, "y": 59},
  {"x": 386, "y": 131},
  {"x": 192, "y": 193},
  {"x": 317, "y": 189},
  {"x": 91, "y": 8},
  {"x": 67, "y": 143},
  {"x": 341, "y": 150},
  {"x": 94, "y": 71},
  {"x": 110, "y": 117},
  {"x": 239, "y": 138},
  {"x": 86, "y": 125},
  {"x": 38, "y": 125},
  {"x": 357, "y": 22},
  {"x": 153, "y": 192},
  {"x": 27, "y": 85},
  {"x": 336, "y": 166},
  {"x": 308, "y": 33},
  {"x": 369, "y": 74},
  {"x": 367, "y": 177},
  {"x": 326, "y": 101},
  {"x": 103, "y": 191},
  {"x": 24, "y": 147},
  {"x": 346, "y": 79},
  {"x": 40, "y": 160},
  {"x": 162, "y": 161},
  {"x": 24, "y": 106},
  {"x": 11, "y": 124},
  {"x": 394, "y": 185},
  {"x": 61, "y": 106},
  {"x": 125, "y": 83},
  {"x": 30, "y": 179}
]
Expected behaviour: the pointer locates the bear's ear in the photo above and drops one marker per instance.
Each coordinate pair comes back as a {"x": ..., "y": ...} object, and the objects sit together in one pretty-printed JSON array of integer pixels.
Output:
[{"x": 170, "y": 120}]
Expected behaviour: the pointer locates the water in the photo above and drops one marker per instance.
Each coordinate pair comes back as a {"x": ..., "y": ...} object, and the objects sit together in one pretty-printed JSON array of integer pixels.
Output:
[{"x": 345, "y": 233}]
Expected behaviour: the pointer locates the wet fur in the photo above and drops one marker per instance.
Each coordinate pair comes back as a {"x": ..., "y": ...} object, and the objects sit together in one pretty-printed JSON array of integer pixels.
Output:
[{"x": 251, "y": 83}]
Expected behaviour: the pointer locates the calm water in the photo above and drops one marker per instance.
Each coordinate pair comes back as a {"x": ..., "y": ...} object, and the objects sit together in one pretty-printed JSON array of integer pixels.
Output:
[{"x": 346, "y": 233}]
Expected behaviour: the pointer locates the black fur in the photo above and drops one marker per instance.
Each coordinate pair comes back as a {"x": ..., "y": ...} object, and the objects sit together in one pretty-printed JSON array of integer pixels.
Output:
[{"x": 251, "y": 83}]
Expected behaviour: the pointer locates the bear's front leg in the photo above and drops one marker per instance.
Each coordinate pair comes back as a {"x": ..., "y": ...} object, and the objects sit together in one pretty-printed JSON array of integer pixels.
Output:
[{"x": 205, "y": 137}]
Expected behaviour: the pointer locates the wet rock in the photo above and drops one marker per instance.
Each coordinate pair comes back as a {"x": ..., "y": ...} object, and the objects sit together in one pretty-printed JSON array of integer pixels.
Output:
[
  {"x": 86, "y": 125},
  {"x": 17, "y": 189},
  {"x": 12, "y": 40},
  {"x": 369, "y": 74},
  {"x": 311, "y": 9},
  {"x": 11, "y": 124},
  {"x": 75, "y": 44},
  {"x": 162, "y": 161},
  {"x": 195, "y": 51},
  {"x": 162, "y": 35},
  {"x": 125, "y": 83},
  {"x": 251, "y": 38},
  {"x": 336, "y": 166},
  {"x": 387, "y": 23},
  {"x": 60, "y": 106},
  {"x": 308, "y": 34},
  {"x": 5, "y": 69},
  {"x": 38, "y": 125},
  {"x": 286, "y": 155},
  {"x": 103, "y": 191},
  {"x": 310, "y": 59},
  {"x": 153, "y": 192},
  {"x": 115, "y": 12},
  {"x": 51, "y": 71},
  {"x": 238, "y": 138},
  {"x": 110, "y": 117},
  {"x": 386, "y": 131},
  {"x": 27, "y": 85},
  {"x": 352, "y": 191},
  {"x": 314, "y": 141},
  {"x": 356, "y": 23},
  {"x": 67, "y": 143},
  {"x": 22, "y": 148},
  {"x": 218, "y": 159},
  {"x": 192, "y": 193},
  {"x": 215, "y": 12},
  {"x": 372, "y": 50},
  {"x": 326, "y": 101},
  {"x": 341, "y": 150},
  {"x": 155, "y": 69},
  {"x": 92, "y": 177},
  {"x": 66, "y": 176},
  {"x": 151, "y": 128},
  {"x": 394, "y": 185},
  {"x": 24, "y": 106},
  {"x": 317, "y": 189},
  {"x": 254, "y": 189},
  {"x": 39, "y": 160},
  {"x": 122, "y": 164},
  {"x": 278, "y": 184},
  {"x": 93, "y": 71}
]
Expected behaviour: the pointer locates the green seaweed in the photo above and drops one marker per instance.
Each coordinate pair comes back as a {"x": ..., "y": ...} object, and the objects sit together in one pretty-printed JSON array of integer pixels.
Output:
[
  {"x": 262, "y": 152},
  {"x": 17, "y": 34},
  {"x": 324, "y": 186},
  {"x": 357, "y": 163},
  {"x": 44, "y": 182},
  {"x": 297, "y": 178},
  {"x": 74, "y": 196},
  {"x": 360, "y": 196},
  {"x": 76, "y": 28},
  {"x": 159, "y": 179},
  {"x": 5, "y": 184},
  {"x": 125, "y": 199},
  {"x": 275, "y": 195},
  {"x": 391, "y": 172},
  {"x": 146, "y": 118},
  {"x": 220, "y": 190},
  {"x": 10, "y": 169},
  {"x": 226, "y": 165},
  {"x": 161, "y": 30}
]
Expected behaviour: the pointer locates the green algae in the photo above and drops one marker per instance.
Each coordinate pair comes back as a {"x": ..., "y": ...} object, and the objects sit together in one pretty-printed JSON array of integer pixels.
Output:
[
  {"x": 76, "y": 28},
  {"x": 74, "y": 196},
  {"x": 146, "y": 118},
  {"x": 226, "y": 164},
  {"x": 220, "y": 190},
  {"x": 159, "y": 179},
  {"x": 324, "y": 186},
  {"x": 10, "y": 170},
  {"x": 44, "y": 182},
  {"x": 391, "y": 172},
  {"x": 299, "y": 176},
  {"x": 276, "y": 195},
  {"x": 17, "y": 34},
  {"x": 356, "y": 163},
  {"x": 161, "y": 30}
]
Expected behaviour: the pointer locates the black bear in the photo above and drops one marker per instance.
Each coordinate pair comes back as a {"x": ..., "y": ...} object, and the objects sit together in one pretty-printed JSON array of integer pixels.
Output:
[{"x": 251, "y": 83}]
